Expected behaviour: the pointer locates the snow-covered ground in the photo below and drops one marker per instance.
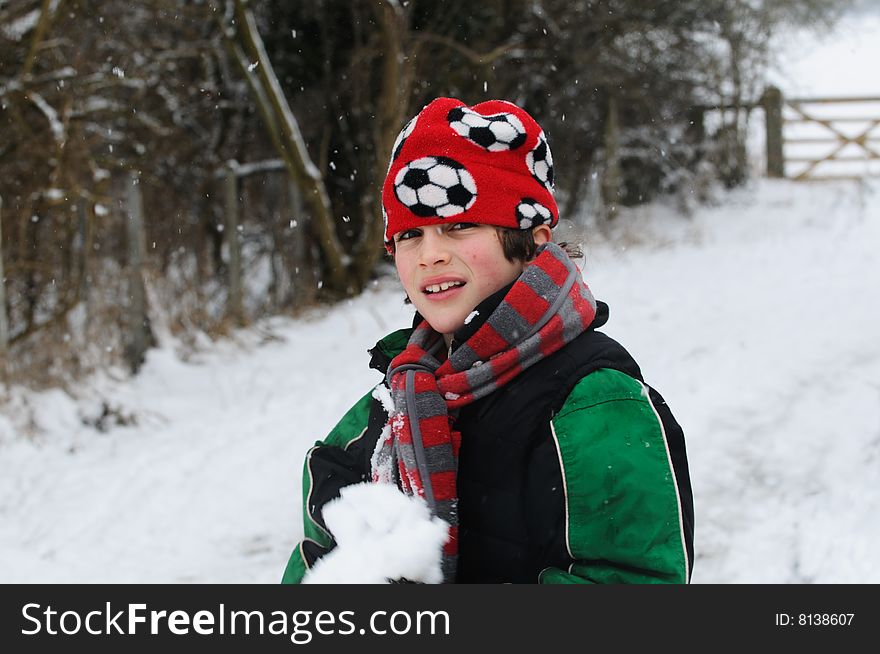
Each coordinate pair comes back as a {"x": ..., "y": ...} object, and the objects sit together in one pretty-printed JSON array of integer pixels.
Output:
[
  {"x": 759, "y": 325},
  {"x": 757, "y": 319}
]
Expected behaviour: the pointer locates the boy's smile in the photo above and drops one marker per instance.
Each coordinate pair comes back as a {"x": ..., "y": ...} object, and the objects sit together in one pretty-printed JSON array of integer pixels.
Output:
[{"x": 447, "y": 270}]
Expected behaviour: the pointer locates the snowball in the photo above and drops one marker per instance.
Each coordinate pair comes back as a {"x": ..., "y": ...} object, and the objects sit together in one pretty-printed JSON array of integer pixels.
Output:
[{"x": 381, "y": 535}]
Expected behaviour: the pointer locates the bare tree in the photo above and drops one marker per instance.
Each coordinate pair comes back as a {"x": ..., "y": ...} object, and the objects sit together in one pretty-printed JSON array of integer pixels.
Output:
[{"x": 173, "y": 90}]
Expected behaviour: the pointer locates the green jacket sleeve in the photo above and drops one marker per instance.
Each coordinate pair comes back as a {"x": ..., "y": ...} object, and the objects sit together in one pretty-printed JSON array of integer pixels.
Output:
[
  {"x": 623, "y": 519},
  {"x": 334, "y": 469}
]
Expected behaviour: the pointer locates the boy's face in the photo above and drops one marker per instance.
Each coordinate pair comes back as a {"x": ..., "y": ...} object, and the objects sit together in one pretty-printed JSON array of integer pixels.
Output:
[{"x": 447, "y": 270}]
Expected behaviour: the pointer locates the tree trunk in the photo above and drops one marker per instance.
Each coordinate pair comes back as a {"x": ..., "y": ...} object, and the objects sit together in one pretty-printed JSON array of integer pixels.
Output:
[
  {"x": 304, "y": 282},
  {"x": 4, "y": 323},
  {"x": 246, "y": 46},
  {"x": 33, "y": 285},
  {"x": 612, "y": 178},
  {"x": 235, "y": 306},
  {"x": 276, "y": 187},
  {"x": 737, "y": 153},
  {"x": 138, "y": 325},
  {"x": 395, "y": 92}
]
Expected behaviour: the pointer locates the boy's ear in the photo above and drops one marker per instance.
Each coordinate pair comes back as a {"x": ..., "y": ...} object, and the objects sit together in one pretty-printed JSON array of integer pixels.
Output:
[{"x": 542, "y": 234}]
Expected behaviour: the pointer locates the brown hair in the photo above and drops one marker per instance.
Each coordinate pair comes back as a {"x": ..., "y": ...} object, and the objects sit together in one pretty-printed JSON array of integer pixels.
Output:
[{"x": 519, "y": 245}]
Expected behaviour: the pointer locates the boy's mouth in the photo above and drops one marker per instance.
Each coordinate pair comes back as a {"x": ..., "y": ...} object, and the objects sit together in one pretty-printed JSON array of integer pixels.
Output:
[{"x": 433, "y": 289}]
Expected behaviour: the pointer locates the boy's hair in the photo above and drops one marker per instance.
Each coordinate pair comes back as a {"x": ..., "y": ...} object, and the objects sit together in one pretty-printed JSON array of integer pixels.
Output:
[{"x": 517, "y": 244}]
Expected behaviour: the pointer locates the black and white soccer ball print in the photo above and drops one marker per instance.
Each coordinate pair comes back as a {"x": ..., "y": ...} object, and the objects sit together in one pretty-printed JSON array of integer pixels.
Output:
[
  {"x": 540, "y": 162},
  {"x": 495, "y": 133},
  {"x": 435, "y": 187},
  {"x": 531, "y": 213},
  {"x": 401, "y": 138}
]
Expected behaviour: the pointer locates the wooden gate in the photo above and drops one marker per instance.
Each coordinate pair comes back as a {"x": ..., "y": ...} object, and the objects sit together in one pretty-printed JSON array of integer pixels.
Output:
[{"x": 806, "y": 142}]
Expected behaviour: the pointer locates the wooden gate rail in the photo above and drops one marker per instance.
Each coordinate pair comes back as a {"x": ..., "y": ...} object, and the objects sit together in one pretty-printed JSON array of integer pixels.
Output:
[
  {"x": 839, "y": 138},
  {"x": 774, "y": 103}
]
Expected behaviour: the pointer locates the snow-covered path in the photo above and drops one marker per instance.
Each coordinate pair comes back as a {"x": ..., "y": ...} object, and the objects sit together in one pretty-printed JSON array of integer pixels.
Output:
[
  {"x": 206, "y": 486},
  {"x": 770, "y": 360},
  {"x": 757, "y": 320}
]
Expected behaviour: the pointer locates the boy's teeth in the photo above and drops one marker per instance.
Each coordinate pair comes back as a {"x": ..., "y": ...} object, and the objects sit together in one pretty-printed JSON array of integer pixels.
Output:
[{"x": 442, "y": 286}]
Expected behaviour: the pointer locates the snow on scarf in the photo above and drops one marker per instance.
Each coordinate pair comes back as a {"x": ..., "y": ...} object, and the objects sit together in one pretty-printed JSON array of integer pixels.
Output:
[{"x": 548, "y": 306}]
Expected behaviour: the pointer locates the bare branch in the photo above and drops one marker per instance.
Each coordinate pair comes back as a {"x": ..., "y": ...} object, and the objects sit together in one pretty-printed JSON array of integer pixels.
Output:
[
  {"x": 475, "y": 57},
  {"x": 58, "y": 131},
  {"x": 47, "y": 13}
]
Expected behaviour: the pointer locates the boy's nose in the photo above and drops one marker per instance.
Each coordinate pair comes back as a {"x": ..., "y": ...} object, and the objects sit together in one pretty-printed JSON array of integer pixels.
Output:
[{"x": 435, "y": 246}]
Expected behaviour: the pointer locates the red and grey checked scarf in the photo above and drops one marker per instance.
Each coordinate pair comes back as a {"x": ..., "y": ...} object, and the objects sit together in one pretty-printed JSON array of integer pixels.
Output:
[{"x": 548, "y": 306}]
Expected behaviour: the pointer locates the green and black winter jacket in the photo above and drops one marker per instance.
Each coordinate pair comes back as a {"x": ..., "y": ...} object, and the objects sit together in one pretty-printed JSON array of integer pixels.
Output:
[{"x": 573, "y": 472}]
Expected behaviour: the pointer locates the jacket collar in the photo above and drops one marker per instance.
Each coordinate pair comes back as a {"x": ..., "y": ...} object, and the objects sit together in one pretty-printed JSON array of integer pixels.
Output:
[{"x": 394, "y": 343}]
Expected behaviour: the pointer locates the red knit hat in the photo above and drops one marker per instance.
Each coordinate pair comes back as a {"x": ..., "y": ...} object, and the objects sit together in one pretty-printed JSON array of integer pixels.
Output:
[{"x": 488, "y": 164}]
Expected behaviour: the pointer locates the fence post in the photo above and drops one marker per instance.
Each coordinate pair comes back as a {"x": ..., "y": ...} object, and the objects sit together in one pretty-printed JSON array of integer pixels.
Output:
[
  {"x": 235, "y": 307},
  {"x": 4, "y": 324},
  {"x": 772, "y": 103},
  {"x": 138, "y": 325},
  {"x": 696, "y": 129}
]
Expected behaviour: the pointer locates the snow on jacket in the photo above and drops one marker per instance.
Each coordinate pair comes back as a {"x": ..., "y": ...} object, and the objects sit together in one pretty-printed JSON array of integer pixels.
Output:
[{"x": 574, "y": 472}]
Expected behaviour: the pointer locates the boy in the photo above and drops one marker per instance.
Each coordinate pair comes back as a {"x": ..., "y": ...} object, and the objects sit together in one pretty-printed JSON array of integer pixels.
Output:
[{"x": 531, "y": 434}]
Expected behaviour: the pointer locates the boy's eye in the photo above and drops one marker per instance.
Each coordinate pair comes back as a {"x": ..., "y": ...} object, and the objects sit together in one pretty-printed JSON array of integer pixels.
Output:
[
  {"x": 464, "y": 225},
  {"x": 408, "y": 234}
]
